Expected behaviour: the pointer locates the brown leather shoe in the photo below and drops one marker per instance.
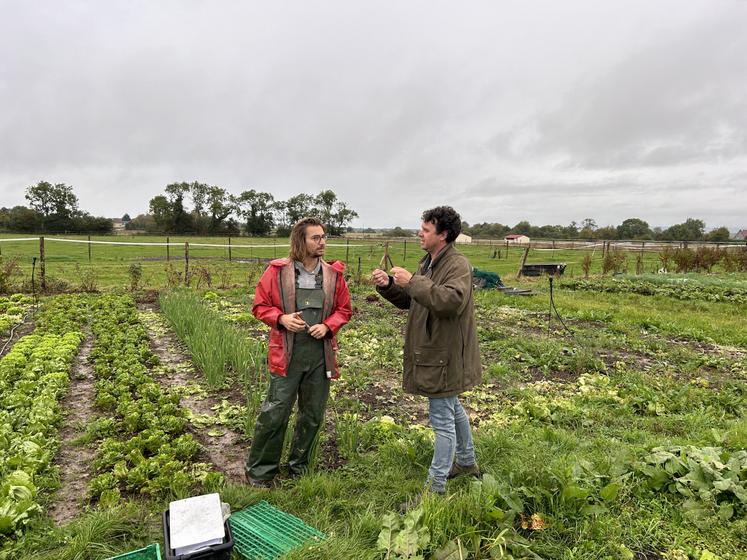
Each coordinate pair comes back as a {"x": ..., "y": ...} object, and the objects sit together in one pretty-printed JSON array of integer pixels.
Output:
[{"x": 464, "y": 470}]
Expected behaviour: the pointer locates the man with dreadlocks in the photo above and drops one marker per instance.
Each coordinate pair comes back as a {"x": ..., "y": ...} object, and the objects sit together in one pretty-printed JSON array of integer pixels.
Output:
[{"x": 305, "y": 301}]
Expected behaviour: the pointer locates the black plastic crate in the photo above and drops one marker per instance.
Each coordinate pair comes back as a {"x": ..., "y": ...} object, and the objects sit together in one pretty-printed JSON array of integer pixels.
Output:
[{"x": 214, "y": 552}]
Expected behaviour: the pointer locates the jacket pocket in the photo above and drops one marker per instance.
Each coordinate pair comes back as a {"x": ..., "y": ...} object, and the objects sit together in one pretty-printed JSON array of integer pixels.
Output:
[
  {"x": 430, "y": 368},
  {"x": 276, "y": 352}
]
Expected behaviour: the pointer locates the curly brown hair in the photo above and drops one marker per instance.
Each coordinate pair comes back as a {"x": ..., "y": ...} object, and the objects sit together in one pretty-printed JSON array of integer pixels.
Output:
[{"x": 444, "y": 218}]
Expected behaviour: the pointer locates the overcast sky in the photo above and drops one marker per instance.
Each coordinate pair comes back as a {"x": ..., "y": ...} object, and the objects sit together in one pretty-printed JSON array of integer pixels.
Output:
[{"x": 544, "y": 111}]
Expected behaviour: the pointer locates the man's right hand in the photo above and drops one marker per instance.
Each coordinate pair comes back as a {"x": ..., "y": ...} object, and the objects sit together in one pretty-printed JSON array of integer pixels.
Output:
[
  {"x": 380, "y": 278},
  {"x": 293, "y": 322}
]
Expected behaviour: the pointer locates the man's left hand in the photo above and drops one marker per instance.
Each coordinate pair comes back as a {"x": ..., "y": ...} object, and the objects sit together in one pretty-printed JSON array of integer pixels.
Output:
[
  {"x": 319, "y": 330},
  {"x": 401, "y": 276}
]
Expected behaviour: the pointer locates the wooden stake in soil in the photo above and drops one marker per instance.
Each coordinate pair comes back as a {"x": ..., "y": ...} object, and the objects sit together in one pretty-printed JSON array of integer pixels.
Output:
[
  {"x": 386, "y": 260},
  {"x": 523, "y": 261},
  {"x": 89, "y": 249},
  {"x": 168, "y": 254},
  {"x": 229, "y": 249},
  {"x": 42, "y": 268},
  {"x": 186, "y": 263}
]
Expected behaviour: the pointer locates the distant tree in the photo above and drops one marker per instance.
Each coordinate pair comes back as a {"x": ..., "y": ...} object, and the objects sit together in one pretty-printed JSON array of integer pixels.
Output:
[
  {"x": 20, "y": 219},
  {"x": 691, "y": 230},
  {"x": 588, "y": 226},
  {"x": 606, "y": 232},
  {"x": 143, "y": 222},
  {"x": 181, "y": 220},
  {"x": 168, "y": 210},
  {"x": 257, "y": 210},
  {"x": 398, "y": 232},
  {"x": 634, "y": 228},
  {"x": 718, "y": 234},
  {"x": 571, "y": 231},
  {"x": 299, "y": 206},
  {"x": 280, "y": 214},
  {"x": 549, "y": 232},
  {"x": 220, "y": 205},
  {"x": 486, "y": 230},
  {"x": 325, "y": 205},
  {"x": 340, "y": 218},
  {"x": 211, "y": 205},
  {"x": 85, "y": 223},
  {"x": 56, "y": 204},
  {"x": 589, "y": 223},
  {"x": 126, "y": 218},
  {"x": 523, "y": 227}
]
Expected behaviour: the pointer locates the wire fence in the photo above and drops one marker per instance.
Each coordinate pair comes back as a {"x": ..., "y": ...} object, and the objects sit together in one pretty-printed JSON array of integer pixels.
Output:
[{"x": 71, "y": 262}]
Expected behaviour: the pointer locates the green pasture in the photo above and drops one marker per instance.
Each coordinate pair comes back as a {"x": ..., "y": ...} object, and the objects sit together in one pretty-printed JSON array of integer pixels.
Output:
[{"x": 105, "y": 263}]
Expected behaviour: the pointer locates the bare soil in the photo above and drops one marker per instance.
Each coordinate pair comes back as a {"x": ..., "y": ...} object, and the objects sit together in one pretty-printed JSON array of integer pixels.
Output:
[
  {"x": 227, "y": 451},
  {"x": 73, "y": 459}
]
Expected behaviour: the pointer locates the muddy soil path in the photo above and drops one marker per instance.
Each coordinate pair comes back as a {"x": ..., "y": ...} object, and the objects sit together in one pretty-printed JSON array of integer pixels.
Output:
[
  {"x": 74, "y": 460},
  {"x": 226, "y": 451}
]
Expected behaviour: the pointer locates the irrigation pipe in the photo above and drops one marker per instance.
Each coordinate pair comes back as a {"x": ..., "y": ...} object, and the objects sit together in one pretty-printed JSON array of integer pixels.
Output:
[{"x": 13, "y": 331}]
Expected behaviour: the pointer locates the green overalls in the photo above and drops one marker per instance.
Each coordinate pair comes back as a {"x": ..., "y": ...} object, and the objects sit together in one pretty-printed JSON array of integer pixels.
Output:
[{"x": 306, "y": 379}]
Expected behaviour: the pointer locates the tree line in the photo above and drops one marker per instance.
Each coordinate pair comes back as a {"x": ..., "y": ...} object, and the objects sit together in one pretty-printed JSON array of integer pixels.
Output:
[
  {"x": 183, "y": 208},
  {"x": 202, "y": 209},
  {"x": 630, "y": 229},
  {"x": 210, "y": 210},
  {"x": 51, "y": 209}
]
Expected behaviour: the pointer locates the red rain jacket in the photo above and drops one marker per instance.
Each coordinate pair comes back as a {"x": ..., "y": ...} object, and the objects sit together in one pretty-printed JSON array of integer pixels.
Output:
[{"x": 275, "y": 295}]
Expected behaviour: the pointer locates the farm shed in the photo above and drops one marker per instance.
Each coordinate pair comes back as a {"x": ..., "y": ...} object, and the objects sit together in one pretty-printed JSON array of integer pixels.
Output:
[
  {"x": 741, "y": 235},
  {"x": 518, "y": 238},
  {"x": 463, "y": 238}
]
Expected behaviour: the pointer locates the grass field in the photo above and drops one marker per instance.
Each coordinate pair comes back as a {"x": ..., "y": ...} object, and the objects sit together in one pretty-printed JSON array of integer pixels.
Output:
[
  {"x": 68, "y": 265},
  {"x": 617, "y": 433}
]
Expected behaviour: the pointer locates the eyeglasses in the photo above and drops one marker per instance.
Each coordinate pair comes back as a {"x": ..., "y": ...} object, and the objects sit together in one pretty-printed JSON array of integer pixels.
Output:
[{"x": 318, "y": 238}]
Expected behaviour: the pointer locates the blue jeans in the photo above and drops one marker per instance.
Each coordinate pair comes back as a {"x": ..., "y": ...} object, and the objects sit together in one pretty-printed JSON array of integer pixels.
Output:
[{"x": 453, "y": 434}]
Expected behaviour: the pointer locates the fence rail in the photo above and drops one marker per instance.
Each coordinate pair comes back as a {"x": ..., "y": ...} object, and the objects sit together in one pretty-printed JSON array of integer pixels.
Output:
[{"x": 166, "y": 260}]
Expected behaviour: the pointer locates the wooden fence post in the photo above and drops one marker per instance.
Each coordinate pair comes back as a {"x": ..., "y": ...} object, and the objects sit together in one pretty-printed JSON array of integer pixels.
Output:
[
  {"x": 523, "y": 261},
  {"x": 347, "y": 251},
  {"x": 168, "y": 253},
  {"x": 42, "y": 268},
  {"x": 229, "y": 248},
  {"x": 404, "y": 255},
  {"x": 186, "y": 263},
  {"x": 89, "y": 249}
]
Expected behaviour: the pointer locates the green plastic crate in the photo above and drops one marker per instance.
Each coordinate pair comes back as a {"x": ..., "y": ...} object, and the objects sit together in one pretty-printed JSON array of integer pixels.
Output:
[
  {"x": 262, "y": 532},
  {"x": 150, "y": 552}
]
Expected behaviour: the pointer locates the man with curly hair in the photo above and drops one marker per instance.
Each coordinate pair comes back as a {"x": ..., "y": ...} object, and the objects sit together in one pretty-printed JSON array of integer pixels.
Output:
[{"x": 441, "y": 355}]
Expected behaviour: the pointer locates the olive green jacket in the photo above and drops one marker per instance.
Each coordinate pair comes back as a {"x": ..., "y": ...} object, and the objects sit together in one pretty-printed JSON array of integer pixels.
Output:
[{"x": 441, "y": 357}]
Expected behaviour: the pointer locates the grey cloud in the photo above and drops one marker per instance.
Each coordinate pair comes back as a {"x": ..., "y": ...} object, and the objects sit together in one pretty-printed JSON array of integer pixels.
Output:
[
  {"x": 389, "y": 104},
  {"x": 681, "y": 99}
]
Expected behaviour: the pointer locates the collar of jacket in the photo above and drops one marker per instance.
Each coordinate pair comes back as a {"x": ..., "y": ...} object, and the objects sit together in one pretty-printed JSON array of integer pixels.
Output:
[
  {"x": 447, "y": 249},
  {"x": 339, "y": 266}
]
